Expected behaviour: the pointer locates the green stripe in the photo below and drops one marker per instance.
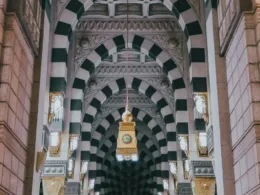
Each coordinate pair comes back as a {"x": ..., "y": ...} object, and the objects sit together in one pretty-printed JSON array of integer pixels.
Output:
[
  {"x": 58, "y": 84},
  {"x": 75, "y": 128}
]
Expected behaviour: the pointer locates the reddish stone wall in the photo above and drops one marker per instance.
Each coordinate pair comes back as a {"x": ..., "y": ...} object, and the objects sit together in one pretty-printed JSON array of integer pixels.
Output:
[{"x": 16, "y": 80}]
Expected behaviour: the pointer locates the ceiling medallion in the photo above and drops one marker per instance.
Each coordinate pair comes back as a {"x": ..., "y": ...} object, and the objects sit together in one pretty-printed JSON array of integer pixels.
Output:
[
  {"x": 173, "y": 43},
  {"x": 127, "y": 139},
  {"x": 164, "y": 84},
  {"x": 92, "y": 83},
  {"x": 84, "y": 42}
]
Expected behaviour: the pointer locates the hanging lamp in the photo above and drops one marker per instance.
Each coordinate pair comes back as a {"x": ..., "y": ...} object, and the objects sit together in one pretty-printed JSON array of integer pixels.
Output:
[{"x": 126, "y": 141}]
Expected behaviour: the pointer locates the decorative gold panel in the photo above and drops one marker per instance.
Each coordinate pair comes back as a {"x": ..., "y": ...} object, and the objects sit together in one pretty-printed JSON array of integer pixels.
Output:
[
  {"x": 41, "y": 157},
  {"x": 203, "y": 186},
  {"x": 53, "y": 185}
]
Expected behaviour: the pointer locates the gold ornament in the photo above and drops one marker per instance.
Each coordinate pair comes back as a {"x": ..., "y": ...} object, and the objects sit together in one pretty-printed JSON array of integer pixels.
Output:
[
  {"x": 203, "y": 186},
  {"x": 53, "y": 185},
  {"x": 126, "y": 141},
  {"x": 41, "y": 157}
]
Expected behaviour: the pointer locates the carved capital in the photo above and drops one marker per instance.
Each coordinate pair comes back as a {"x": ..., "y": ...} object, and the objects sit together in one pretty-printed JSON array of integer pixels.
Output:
[
  {"x": 53, "y": 185},
  {"x": 203, "y": 186}
]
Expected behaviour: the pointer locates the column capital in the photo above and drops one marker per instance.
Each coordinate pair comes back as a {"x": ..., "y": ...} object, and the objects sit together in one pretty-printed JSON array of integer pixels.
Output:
[
  {"x": 201, "y": 169},
  {"x": 203, "y": 186}
]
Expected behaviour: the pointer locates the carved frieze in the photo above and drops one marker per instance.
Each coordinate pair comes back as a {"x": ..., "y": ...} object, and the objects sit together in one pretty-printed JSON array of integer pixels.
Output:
[
  {"x": 55, "y": 168},
  {"x": 108, "y": 69},
  {"x": 133, "y": 25},
  {"x": 201, "y": 169}
]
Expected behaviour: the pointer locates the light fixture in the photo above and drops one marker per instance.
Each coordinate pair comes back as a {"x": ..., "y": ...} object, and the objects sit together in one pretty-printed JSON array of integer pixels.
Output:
[
  {"x": 56, "y": 110},
  {"x": 73, "y": 144},
  {"x": 91, "y": 185},
  {"x": 166, "y": 184},
  {"x": 184, "y": 143},
  {"x": 201, "y": 104},
  {"x": 173, "y": 167},
  {"x": 186, "y": 168},
  {"x": 71, "y": 164},
  {"x": 126, "y": 141},
  {"x": 202, "y": 144},
  {"x": 84, "y": 168},
  {"x": 55, "y": 142}
]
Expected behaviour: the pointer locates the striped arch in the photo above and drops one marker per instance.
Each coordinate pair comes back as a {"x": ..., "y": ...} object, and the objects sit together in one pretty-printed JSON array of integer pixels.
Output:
[
  {"x": 188, "y": 21},
  {"x": 145, "y": 154},
  {"x": 105, "y": 166},
  {"x": 112, "y": 88},
  {"x": 165, "y": 152}
]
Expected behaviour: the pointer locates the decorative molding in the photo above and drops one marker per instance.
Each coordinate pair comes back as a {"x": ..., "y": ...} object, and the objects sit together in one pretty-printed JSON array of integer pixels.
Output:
[
  {"x": 143, "y": 25},
  {"x": 109, "y": 69},
  {"x": 55, "y": 168},
  {"x": 133, "y": 101},
  {"x": 201, "y": 169}
]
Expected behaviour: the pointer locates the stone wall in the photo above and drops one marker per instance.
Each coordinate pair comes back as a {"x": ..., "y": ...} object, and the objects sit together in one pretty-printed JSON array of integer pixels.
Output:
[
  {"x": 16, "y": 79},
  {"x": 242, "y": 65}
]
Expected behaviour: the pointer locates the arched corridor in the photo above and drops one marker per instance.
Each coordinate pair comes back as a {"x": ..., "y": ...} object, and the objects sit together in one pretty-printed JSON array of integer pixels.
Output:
[{"x": 129, "y": 97}]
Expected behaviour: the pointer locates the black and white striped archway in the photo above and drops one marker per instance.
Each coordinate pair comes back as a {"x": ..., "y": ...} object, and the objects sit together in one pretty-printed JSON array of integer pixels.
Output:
[
  {"x": 162, "y": 149},
  {"x": 142, "y": 175},
  {"x": 144, "y": 136},
  {"x": 165, "y": 150},
  {"x": 188, "y": 21}
]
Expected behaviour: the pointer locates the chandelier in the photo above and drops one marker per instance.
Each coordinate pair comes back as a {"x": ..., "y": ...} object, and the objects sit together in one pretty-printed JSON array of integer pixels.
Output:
[{"x": 126, "y": 141}]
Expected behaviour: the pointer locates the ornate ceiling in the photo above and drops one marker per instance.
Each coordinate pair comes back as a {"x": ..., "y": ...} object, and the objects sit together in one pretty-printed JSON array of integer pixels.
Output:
[{"x": 103, "y": 21}]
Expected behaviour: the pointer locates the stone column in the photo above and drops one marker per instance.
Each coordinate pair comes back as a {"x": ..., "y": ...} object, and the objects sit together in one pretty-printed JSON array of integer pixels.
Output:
[{"x": 218, "y": 130}]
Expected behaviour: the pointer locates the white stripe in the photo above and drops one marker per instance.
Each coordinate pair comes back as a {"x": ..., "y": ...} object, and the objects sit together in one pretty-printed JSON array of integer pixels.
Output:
[
  {"x": 101, "y": 97},
  {"x": 146, "y": 46},
  {"x": 75, "y": 116},
  {"x": 76, "y": 94}
]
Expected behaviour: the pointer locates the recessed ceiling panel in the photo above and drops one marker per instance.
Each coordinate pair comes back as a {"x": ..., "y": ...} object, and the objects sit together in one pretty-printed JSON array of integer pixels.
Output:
[
  {"x": 158, "y": 9},
  {"x": 97, "y": 9},
  {"x": 133, "y": 9}
]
